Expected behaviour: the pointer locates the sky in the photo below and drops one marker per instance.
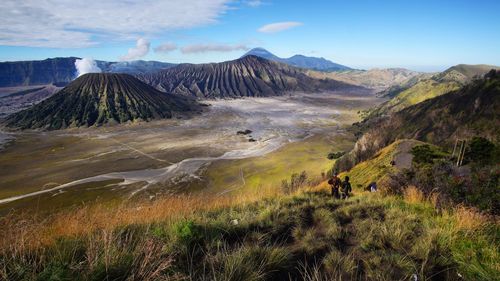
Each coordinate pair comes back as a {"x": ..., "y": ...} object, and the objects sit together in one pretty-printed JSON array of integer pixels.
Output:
[{"x": 425, "y": 35}]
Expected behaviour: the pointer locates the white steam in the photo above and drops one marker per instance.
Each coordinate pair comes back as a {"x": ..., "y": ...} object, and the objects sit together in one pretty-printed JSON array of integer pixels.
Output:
[{"x": 86, "y": 65}]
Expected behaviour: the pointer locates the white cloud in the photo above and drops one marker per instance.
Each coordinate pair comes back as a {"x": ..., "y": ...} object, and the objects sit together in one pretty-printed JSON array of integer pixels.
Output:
[
  {"x": 140, "y": 50},
  {"x": 75, "y": 24},
  {"x": 86, "y": 65},
  {"x": 202, "y": 48},
  {"x": 166, "y": 47},
  {"x": 278, "y": 26},
  {"x": 253, "y": 3}
]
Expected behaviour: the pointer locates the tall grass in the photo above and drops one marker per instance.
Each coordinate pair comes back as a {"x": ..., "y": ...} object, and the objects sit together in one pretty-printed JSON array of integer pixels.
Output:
[
  {"x": 26, "y": 230},
  {"x": 256, "y": 236}
]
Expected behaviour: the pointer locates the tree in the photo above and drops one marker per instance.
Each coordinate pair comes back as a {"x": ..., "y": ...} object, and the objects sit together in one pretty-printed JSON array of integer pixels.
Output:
[{"x": 481, "y": 151}]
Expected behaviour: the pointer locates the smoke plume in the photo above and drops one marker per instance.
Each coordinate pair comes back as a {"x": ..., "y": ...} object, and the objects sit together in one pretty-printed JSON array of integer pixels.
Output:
[{"x": 86, "y": 65}]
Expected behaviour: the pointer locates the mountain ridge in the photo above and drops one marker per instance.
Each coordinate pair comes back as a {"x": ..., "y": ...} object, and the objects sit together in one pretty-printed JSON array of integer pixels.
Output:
[
  {"x": 302, "y": 61},
  {"x": 249, "y": 76},
  {"x": 62, "y": 69}
]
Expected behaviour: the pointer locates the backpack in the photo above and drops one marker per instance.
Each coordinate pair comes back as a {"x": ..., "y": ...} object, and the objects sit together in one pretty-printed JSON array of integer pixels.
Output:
[{"x": 346, "y": 187}]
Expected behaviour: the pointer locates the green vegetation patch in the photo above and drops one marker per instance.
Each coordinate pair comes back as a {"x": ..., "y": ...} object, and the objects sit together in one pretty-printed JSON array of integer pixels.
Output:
[
  {"x": 366, "y": 237},
  {"x": 271, "y": 169}
]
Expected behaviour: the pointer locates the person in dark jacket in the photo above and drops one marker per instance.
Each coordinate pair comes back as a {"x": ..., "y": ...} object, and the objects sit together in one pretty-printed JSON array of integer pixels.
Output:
[
  {"x": 346, "y": 188},
  {"x": 335, "y": 183}
]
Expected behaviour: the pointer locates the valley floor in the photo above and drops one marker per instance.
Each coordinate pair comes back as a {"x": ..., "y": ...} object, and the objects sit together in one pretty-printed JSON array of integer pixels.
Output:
[{"x": 43, "y": 171}]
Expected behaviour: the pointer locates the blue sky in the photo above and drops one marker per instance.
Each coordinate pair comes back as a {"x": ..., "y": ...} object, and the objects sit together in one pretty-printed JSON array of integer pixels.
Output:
[{"x": 420, "y": 35}]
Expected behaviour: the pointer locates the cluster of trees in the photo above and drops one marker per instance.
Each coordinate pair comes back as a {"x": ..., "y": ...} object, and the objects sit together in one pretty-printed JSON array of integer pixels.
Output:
[{"x": 433, "y": 172}]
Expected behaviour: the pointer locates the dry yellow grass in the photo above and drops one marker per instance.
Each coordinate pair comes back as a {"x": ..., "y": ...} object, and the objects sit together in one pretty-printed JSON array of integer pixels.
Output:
[
  {"x": 31, "y": 232},
  {"x": 470, "y": 218},
  {"x": 414, "y": 195}
]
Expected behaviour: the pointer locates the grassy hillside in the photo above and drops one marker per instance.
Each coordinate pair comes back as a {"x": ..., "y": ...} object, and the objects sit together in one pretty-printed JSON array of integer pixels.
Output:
[
  {"x": 268, "y": 171},
  {"x": 465, "y": 113},
  {"x": 305, "y": 236},
  {"x": 379, "y": 165},
  {"x": 421, "y": 91},
  {"x": 420, "y": 88},
  {"x": 266, "y": 235},
  {"x": 472, "y": 71}
]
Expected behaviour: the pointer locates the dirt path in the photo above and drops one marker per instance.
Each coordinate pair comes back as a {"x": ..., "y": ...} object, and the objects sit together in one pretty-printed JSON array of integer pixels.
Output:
[{"x": 403, "y": 156}]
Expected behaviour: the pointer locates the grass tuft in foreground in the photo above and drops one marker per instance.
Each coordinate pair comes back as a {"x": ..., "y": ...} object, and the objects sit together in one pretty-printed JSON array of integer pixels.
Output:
[{"x": 303, "y": 236}]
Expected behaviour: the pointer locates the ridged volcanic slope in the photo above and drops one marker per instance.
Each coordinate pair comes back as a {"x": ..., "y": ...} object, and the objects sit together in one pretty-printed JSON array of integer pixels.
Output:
[
  {"x": 249, "y": 76},
  {"x": 96, "y": 99}
]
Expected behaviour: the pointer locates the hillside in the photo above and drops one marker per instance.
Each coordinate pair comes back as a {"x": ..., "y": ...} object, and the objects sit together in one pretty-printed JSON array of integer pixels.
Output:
[
  {"x": 23, "y": 73},
  {"x": 414, "y": 91},
  {"x": 377, "y": 79},
  {"x": 24, "y": 98},
  {"x": 250, "y": 76},
  {"x": 97, "y": 99},
  {"x": 470, "y": 111},
  {"x": 314, "y": 63},
  {"x": 300, "y": 236},
  {"x": 56, "y": 70}
]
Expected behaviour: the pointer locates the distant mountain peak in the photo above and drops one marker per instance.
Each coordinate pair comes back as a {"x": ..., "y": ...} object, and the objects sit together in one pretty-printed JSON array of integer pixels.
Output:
[
  {"x": 261, "y": 52},
  {"x": 299, "y": 60}
]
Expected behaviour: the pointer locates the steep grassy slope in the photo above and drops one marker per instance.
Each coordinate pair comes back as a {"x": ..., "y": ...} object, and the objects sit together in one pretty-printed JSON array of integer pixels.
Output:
[
  {"x": 249, "y": 76},
  {"x": 398, "y": 87},
  {"x": 377, "y": 167},
  {"x": 470, "y": 111},
  {"x": 96, "y": 99},
  {"x": 417, "y": 90}
]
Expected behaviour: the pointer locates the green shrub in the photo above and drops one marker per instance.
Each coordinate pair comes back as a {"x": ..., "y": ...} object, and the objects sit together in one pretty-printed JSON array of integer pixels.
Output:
[
  {"x": 480, "y": 151},
  {"x": 423, "y": 154},
  {"x": 188, "y": 232},
  {"x": 335, "y": 155}
]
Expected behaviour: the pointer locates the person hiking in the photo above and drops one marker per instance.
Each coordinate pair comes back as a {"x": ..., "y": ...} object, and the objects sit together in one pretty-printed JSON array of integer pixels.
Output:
[
  {"x": 346, "y": 188},
  {"x": 372, "y": 187},
  {"x": 335, "y": 183}
]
